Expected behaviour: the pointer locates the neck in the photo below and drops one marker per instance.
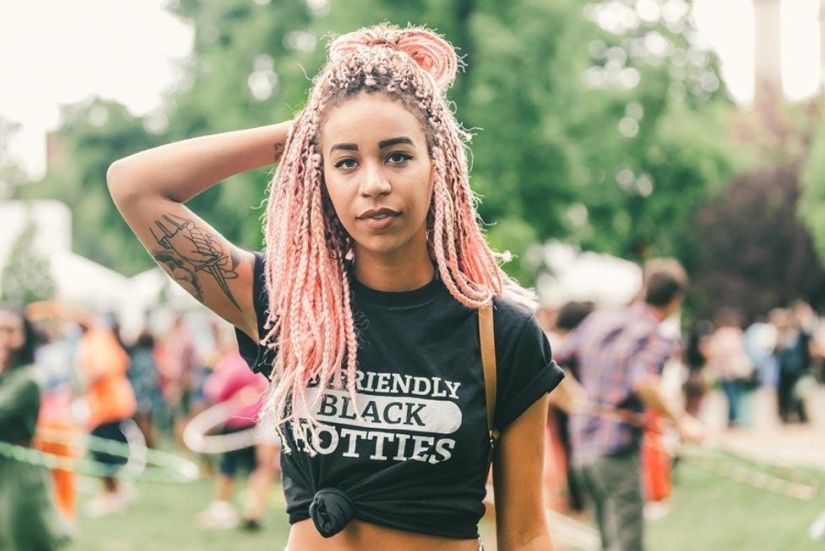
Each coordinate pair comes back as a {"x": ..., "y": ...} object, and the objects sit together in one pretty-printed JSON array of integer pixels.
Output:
[
  {"x": 6, "y": 361},
  {"x": 395, "y": 273},
  {"x": 661, "y": 313}
]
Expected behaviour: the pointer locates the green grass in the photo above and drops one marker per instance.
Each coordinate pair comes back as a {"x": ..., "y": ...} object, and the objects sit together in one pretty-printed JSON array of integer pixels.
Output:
[
  {"x": 715, "y": 512},
  {"x": 709, "y": 512},
  {"x": 163, "y": 520}
]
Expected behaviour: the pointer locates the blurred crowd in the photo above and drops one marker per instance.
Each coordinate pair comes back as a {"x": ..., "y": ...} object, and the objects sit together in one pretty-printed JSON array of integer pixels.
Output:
[
  {"x": 159, "y": 377},
  {"x": 779, "y": 356},
  {"x": 782, "y": 351},
  {"x": 97, "y": 379}
]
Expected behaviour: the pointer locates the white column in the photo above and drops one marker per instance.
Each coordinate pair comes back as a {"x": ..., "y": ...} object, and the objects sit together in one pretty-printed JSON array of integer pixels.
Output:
[
  {"x": 767, "y": 51},
  {"x": 822, "y": 44}
]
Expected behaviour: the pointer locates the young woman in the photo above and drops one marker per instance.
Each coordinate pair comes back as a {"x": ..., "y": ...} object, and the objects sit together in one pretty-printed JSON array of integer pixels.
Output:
[
  {"x": 363, "y": 308},
  {"x": 28, "y": 518}
]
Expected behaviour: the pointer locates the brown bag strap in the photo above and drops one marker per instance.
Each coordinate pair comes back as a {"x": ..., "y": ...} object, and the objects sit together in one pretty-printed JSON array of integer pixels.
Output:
[{"x": 488, "y": 361}]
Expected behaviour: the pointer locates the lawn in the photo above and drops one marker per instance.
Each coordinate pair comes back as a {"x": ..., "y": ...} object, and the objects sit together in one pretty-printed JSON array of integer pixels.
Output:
[
  {"x": 714, "y": 512},
  {"x": 709, "y": 512},
  {"x": 163, "y": 520}
]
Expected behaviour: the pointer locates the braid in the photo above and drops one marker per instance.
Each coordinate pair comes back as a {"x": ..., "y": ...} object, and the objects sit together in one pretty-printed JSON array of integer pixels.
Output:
[{"x": 310, "y": 323}]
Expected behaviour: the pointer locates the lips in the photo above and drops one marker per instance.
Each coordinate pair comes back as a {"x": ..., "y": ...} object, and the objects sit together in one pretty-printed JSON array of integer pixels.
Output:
[
  {"x": 378, "y": 213},
  {"x": 379, "y": 219}
]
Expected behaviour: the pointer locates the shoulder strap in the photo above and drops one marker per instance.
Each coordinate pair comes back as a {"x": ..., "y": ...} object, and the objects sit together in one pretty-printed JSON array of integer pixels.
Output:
[{"x": 488, "y": 361}]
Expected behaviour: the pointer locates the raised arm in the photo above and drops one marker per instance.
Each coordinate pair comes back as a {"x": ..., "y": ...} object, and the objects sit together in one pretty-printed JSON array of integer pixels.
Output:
[{"x": 150, "y": 189}]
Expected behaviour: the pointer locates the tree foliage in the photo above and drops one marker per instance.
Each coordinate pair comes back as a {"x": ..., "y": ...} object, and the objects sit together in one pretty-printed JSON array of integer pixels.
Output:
[
  {"x": 812, "y": 204},
  {"x": 12, "y": 175},
  {"x": 27, "y": 274},
  {"x": 756, "y": 254},
  {"x": 93, "y": 134},
  {"x": 750, "y": 248},
  {"x": 609, "y": 135}
]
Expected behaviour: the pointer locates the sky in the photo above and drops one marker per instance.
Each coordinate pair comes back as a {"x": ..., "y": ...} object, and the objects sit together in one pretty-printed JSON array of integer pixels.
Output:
[{"x": 55, "y": 52}]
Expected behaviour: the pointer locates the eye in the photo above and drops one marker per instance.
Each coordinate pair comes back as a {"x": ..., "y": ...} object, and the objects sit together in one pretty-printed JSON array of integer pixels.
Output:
[
  {"x": 398, "y": 158},
  {"x": 346, "y": 163}
]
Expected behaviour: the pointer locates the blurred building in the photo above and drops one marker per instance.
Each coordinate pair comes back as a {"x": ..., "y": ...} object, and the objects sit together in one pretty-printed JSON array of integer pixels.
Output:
[
  {"x": 822, "y": 44},
  {"x": 768, "y": 47}
]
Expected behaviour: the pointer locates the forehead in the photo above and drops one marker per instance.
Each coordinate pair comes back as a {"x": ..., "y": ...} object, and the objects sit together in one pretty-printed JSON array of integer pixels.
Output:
[
  {"x": 10, "y": 320},
  {"x": 368, "y": 118}
]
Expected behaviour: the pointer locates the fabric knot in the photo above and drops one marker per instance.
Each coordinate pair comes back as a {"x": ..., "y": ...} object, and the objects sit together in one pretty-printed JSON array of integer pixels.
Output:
[{"x": 331, "y": 510}]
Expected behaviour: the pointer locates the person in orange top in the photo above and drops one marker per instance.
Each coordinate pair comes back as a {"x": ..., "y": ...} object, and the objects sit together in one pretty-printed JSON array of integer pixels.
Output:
[
  {"x": 55, "y": 422},
  {"x": 103, "y": 364}
]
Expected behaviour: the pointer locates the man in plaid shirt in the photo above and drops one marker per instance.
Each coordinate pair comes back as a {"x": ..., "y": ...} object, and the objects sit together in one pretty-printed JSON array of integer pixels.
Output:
[{"x": 618, "y": 357}]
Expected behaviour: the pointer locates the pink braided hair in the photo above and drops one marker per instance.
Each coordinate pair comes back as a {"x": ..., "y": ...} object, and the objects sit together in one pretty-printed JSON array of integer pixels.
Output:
[{"x": 310, "y": 321}]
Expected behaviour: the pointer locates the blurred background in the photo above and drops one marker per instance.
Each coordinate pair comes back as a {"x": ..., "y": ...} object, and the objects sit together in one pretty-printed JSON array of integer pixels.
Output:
[{"x": 605, "y": 133}]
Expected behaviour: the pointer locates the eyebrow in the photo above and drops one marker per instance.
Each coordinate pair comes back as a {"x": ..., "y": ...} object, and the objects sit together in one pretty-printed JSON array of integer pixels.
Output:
[
  {"x": 381, "y": 145},
  {"x": 344, "y": 146},
  {"x": 394, "y": 141}
]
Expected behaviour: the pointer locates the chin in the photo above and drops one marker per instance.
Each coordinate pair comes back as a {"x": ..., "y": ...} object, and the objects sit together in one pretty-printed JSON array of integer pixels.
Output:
[{"x": 385, "y": 245}]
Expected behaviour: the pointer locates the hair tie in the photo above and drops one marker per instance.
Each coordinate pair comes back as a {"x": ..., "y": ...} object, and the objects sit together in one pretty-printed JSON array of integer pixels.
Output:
[{"x": 434, "y": 55}]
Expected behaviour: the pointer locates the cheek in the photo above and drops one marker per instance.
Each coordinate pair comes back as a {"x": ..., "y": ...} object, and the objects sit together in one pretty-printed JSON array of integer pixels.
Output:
[
  {"x": 11, "y": 338},
  {"x": 335, "y": 204},
  {"x": 333, "y": 193},
  {"x": 429, "y": 196}
]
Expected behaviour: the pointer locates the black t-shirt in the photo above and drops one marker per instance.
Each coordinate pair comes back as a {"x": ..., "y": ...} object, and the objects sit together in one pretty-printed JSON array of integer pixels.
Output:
[{"x": 417, "y": 460}]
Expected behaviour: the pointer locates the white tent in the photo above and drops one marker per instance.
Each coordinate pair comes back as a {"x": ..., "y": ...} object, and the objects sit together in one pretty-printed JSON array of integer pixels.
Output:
[
  {"x": 54, "y": 225},
  {"x": 79, "y": 280},
  {"x": 575, "y": 275},
  {"x": 82, "y": 281}
]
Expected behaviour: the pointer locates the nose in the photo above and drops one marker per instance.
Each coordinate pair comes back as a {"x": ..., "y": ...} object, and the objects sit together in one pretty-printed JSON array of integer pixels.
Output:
[{"x": 375, "y": 182}]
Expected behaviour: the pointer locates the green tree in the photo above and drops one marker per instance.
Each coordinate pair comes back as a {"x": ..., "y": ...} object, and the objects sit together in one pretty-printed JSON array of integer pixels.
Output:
[
  {"x": 812, "y": 204},
  {"x": 92, "y": 135},
  {"x": 27, "y": 274},
  {"x": 606, "y": 135},
  {"x": 750, "y": 246},
  {"x": 657, "y": 139},
  {"x": 12, "y": 175}
]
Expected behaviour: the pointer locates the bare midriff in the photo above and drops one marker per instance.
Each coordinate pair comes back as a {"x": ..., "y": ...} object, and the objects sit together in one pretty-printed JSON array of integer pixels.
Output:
[{"x": 363, "y": 536}]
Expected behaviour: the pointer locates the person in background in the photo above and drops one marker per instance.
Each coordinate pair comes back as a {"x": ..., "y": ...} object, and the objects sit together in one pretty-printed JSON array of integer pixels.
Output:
[
  {"x": 178, "y": 363},
  {"x": 818, "y": 352},
  {"x": 558, "y": 466},
  {"x": 619, "y": 356},
  {"x": 28, "y": 517},
  {"x": 696, "y": 384},
  {"x": 793, "y": 358},
  {"x": 55, "y": 360},
  {"x": 143, "y": 376},
  {"x": 760, "y": 342},
  {"x": 727, "y": 356},
  {"x": 109, "y": 399},
  {"x": 234, "y": 383}
]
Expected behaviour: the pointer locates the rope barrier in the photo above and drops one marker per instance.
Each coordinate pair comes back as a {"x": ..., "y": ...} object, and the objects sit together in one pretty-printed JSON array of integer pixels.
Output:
[
  {"x": 196, "y": 433},
  {"x": 142, "y": 463},
  {"x": 778, "y": 479}
]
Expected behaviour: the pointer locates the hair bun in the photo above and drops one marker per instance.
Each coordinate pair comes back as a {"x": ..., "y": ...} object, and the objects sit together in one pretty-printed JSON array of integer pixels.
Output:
[{"x": 434, "y": 55}]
